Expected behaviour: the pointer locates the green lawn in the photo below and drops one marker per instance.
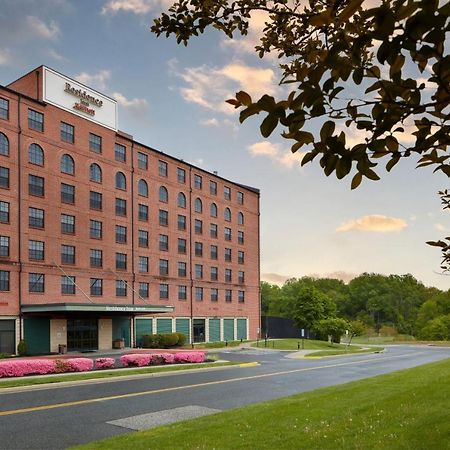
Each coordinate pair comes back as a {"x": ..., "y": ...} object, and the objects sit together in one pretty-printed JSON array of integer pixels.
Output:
[
  {"x": 408, "y": 409},
  {"x": 352, "y": 349},
  {"x": 292, "y": 344}
]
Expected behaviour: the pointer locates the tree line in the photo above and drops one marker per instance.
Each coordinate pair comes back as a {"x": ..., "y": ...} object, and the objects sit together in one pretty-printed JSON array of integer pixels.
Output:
[{"x": 328, "y": 307}]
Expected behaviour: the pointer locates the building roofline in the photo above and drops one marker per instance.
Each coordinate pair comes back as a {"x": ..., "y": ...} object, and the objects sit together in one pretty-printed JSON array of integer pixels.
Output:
[{"x": 12, "y": 91}]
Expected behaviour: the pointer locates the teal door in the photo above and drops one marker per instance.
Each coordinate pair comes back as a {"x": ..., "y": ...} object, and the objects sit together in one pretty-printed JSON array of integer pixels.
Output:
[
  {"x": 163, "y": 326},
  {"x": 228, "y": 329},
  {"x": 37, "y": 335},
  {"x": 214, "y": 330},
  {"x": 182, "y": 326},
  {"x": 143, "y": 327},
  {"x": 242, "y": 329},
  {"x": 121, "y": 329}
]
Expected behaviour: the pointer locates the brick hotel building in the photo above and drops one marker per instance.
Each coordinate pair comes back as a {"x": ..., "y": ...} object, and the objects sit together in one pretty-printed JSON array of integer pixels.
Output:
[{"x": 104, "y": 238}]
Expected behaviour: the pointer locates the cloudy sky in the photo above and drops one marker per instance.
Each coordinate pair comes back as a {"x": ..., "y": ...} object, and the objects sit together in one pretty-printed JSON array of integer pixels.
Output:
[{"x": 172, "y": 98}]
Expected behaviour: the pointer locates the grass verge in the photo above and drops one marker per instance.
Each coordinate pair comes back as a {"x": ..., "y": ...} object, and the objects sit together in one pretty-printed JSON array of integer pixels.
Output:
[
  {"x": 294, "y": 344},
  {"x": 350, "y": 351},
  {"x": 407, "y": 409},
  {"x": 220, "y": 344},
  {"x": 15, "y": 382}
]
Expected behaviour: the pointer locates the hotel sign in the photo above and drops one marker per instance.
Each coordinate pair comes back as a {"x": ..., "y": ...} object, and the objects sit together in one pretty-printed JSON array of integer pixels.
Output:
[{"x": 78, "y": 99}]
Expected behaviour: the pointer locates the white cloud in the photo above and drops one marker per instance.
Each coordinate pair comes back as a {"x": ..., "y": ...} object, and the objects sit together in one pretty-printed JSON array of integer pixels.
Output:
[
  {"x": 282, "y": 157},
  {"x": 137, "y": 7},
  {"x": 213, "y": 122},
  {"x": 95, "y": 80},
  {"x": 376, "y": 223},
  {"x": 5, "y": 57},
  {"x": 274, "y": 278},
  {"x": 136, "y": 105},
  {"x": 441, "y": 227},
  {"x": 55, "y": 55},
  {"x": 41, "y": 29}
]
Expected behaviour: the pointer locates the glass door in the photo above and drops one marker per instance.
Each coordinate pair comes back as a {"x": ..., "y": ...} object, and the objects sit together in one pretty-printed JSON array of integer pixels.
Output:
[{"x": 82, "y": 334}]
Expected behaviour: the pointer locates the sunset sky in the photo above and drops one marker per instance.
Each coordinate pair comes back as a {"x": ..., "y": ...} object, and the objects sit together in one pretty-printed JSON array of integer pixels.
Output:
[{"x": 173, "y": 98}]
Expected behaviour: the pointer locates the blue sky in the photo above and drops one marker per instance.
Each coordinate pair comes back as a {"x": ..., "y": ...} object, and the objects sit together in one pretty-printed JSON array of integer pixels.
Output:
[{"x": 172, "y": 98}]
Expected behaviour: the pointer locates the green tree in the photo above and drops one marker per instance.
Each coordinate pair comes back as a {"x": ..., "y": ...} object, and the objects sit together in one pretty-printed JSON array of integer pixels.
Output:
[
  {"x": 332, "y": 326},
  {"x": 271, "y": 299}
]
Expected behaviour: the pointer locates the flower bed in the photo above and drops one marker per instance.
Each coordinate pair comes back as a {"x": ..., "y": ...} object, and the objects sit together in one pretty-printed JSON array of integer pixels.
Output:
[
  {"x": 147, "y": 359},
  {"x": 105, "y": 363}
]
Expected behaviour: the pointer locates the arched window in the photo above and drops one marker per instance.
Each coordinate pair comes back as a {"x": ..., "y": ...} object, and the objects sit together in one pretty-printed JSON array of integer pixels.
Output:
[
  {"x": 163, "y": 194},
  {"x": 227, "y": 214},
  {"x": 4, "y": 145},
  {"x": 67, "y": 164},
  {"x": 181, "y": 201},
  {"x": 198, "y": 205},
  {"x": 143, "y": 188},
  {"x": 213, "y": 210},
  {"x": 121, "y": 181},
  {"x": 36, "y": 154},
  {"x": 95, "y": 173},
  {"x": 240, "y": 218}
]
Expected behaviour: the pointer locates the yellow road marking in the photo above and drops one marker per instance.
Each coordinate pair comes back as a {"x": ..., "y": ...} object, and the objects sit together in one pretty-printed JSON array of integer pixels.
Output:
[{"x": 191, "y": 386}]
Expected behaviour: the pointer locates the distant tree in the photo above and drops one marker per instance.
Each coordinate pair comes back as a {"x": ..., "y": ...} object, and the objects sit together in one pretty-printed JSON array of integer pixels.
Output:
[
  {"x": 271, "y": 299},
  {"x": 332, "y": 326}
]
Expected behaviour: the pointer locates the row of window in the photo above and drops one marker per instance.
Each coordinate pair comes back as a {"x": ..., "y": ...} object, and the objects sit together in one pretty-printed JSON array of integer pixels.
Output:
[{"x": 36, "y": 284}]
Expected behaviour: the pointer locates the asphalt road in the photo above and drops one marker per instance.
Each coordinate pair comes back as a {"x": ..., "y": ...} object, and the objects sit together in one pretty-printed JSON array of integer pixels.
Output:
[{"x": 58, "y": 417}]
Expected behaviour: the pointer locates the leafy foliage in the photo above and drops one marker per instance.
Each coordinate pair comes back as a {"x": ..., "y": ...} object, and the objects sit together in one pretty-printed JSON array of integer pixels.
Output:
[{"x": 382, "y": 71}]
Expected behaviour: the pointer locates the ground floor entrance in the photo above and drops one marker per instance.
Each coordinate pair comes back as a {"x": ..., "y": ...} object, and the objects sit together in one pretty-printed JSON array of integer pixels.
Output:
[
  {"x": 82, "y": 334},
  {"x": 199, "y": 330},
  {"x": 8, "y": 336}
]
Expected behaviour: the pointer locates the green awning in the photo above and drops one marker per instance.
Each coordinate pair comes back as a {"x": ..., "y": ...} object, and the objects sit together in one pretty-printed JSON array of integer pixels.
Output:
[{"x": 87, "y": 307}]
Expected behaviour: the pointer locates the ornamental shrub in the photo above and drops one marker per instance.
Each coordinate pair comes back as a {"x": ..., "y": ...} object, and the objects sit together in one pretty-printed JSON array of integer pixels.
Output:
[
  {"x": 80, "y": 364},
  {"x": 167, "y": 358},
  {"x": 105, "y": 363},
  {"x": 169, "y": 340},
  {"x": 22, "y": 348},
  {"x": 152, "y": 341},
  {"x": 136, "y": 360},
  {"x": 190, "y": 357},
  {"x": 181, "y": 339},
  {"x": 26, "y": 367}
]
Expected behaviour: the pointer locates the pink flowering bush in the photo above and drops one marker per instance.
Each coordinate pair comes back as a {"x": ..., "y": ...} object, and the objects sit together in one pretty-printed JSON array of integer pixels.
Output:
[
  {"x": 136, "y": 360},
  {"x": 80, "y": 364},
  {"x": 146, "y": 359},
  {"x": 23, "y": 367},
  {"x": 105, "y": 363},
  {"x": 190, "y": 357},
  {"x": 167, "y": 358}
]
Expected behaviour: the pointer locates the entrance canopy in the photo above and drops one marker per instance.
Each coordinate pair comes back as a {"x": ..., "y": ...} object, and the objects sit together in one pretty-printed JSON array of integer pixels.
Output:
[{"x": 95, "y": 308}]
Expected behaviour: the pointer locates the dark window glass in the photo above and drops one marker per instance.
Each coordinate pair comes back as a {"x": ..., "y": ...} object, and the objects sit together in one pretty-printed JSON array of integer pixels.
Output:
[
  {"x": 121, "y": 261},
  {"x": 197, "y": 181},
  {"x": 228, "y": 275},
  {"x": 181, "y": 200},
  {"x": 227, "y": 234},
  {"x": 67, "y": 254},
  {"x": 182, "y": 269},
  {"x": 226, "y": 193},
  {"x": 4, "y": 109},
  {"x": 227, "y": 214},
  {"x": 199, "y": 294},
  {"x": 96, "y": 286},
  {"x": 120, "y": 153},
  {"x": 198, "y": 226},
  {"x": 163, "y": 291},
  {"x": 163, "y": 218},
  {"x": 35, "y": 155},
  {"x": 35, "y": 120},
  {"x": 95, "y": 200},
  {"x": 36, "y": 250},
  {"x": 95, "y": 229},
  {"x": 240, "y": 218},
  {"x": 214, "y": 295},
  {"x": 143, "y": 188},
  {"x": 143, "y": 238},
  {"x": 181, "y": 246},
  {"x": 121, "y": 181},
  {"x": 95, "y": 173},
  {"x": 213, "y": 187},
  {"x": 4, "y": 212},
  {"x": 214, "y": 251},
  {"x": 4, "y": 177},
  {"x": 121, "y": 288},
  {"x": 95, "y": 143},
  {"x": 198, "y": 205},
  {"x": 198, "y": 271},
  {"x": 163, "y": 267},
  {"x": 96, "y": 258},
  {"x": 162, "y": 168},
  {"x": 4, "y": 280},
  {"x": 35, "y": 218},
  {"x": 143, "y": 290},
  {"x": 241, "y": 277},
  {"x": 121, "y": 207},
  {"x": 198, "y": 249},
  {"x": 4, "y": 246},
  {"x": 228, "y": 295},
  {"x": 181, "y": 222},
  {"x": 67, "y": 133},
  {"x": 214, "y": 273},
  {"x": 142, "y": 161},
  {"x": 213, "y": 230},
  {"x": 68, "y": 284},
  {"x": 228, "y": 254},
  {"x": 163, "y": 195},
  {"x": 182, "y": 292},
  {"x": 143, "y": 212},
  {"x": 181, "y": 175},
  {"x": 35, "y": 186},
  {"x": 67, "y": 193},
  {"x": 67, "y": 224},
  {"x": 143, "y": 264},
  {"x": 240, "y": 257},
  {"x": 213, "y": 210},
  {"x": 240, "y": 198},
  {"x": 163, "y": 242},
  {"x": 121, "y": 234},
  {"x": 240, "y": 237},
  {"x": 4, "y": 145},
  {"x": 241, "y": 296},
  {"x": 36, "y": 282}
]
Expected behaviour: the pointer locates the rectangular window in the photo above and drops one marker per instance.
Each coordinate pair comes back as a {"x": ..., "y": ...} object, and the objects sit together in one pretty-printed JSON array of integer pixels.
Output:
[
  {"x": 121, "y": 261},
  {"x": 143, "y": 264},
  {"x": 142, "y": 161},
  {"x": 67, "y": 133},
  {"x": 35, "y": 120},
  {"x": 163, "y": 242},
  {"x": 227, "y": 234},
  {"x": 120, "y": 153},
  {"x": 95, "y": 229},
  {"x": 162, "y": 168},
  {"x": 4, "y": 109},
  {"x": 228, "y": 295},
  {"x": 95, "y": 200},
  {"x": 35, "y": 185},
  {"x": 213, "y": 187},
  {"x": 163, "y": 291},
  {"x": 214, "y": 273},
  {"x": 96, "y": 286},
  {"x": 4, "y": 177},
  {"x": 96, "y": 258},
  {"x": 181, "y": 175},
  {"x": 241, "y": 296},
  {"x": 4, "y": 246},
  {"x": 4, "y": 212},
  {"x": 198, "y": 271},
  {"x": 240, "y": 198},
  {"x": 214, "y": 295},
  {"x": 121, "y": 288},
  {"x": 121, "y": 207},
  {"x": 214, "y": 252},
  {"x": 143, "y": 238},
  {"x": 35, "y": 218},
  {"x": 198, "y": 249},
  {"x": 199, "y": 294},
  {"x": 36, "y": 250},
  {"x": 198, "y": 226},
  {"x": 182, "y": 292},
  {"x": 121, "y": 234},
  {"x": 197, "y": 181},
  {"x": 143, "y": 213},
  {"x": 228, "y": 254},
  {"x": 68, "y": 284},
  {"x": 95, "y": 143},
  {"x": 181, "y": 269},
  {"x": 4, "y": 280},
  {"x": 67, "y": 193},
  {"x": 36, "y": 282},
  {"x": 240, "y": 257},
  {"x": 143, "y": 290},
  {"x": 241, "y": 277},
  {"x": 226, "y": 193},
  {"x": 163, "y": 218},
  {"x": 67, "y": 224},
  {"x": 163, "y": 267},
  {"x": 181, "y": 222},
  {"x": 182, "y": 246},
  {"x": 228, "y": 276},
  {"x": 67, "y": 254},
  {"x": 213, "y": 230},
  {"x": 240, "y": 237}
]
